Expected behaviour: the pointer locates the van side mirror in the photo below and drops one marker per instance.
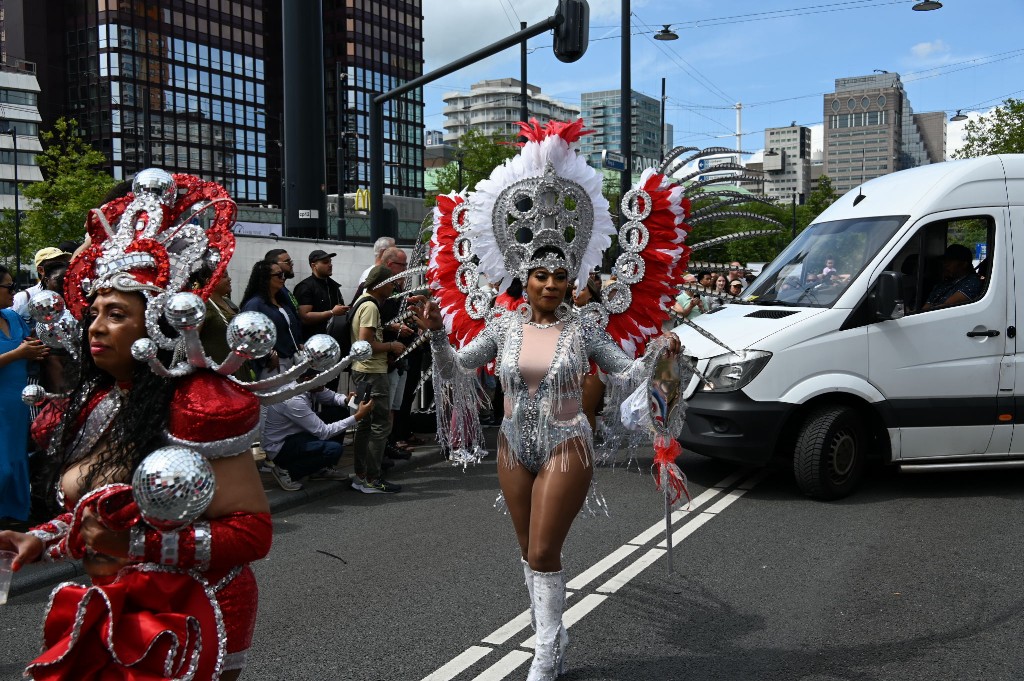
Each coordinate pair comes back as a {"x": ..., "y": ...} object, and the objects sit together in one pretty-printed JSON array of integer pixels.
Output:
[{"x": 888, "y": 296}]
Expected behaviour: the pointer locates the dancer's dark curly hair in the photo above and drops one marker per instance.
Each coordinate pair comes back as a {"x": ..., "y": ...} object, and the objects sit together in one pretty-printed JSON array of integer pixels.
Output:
[
  {"x": 137, "y": 429},
  {"x": 259, "y": 282}
]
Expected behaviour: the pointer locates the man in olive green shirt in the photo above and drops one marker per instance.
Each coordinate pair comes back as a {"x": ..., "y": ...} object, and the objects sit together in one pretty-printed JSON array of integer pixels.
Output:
[{"x": 372, "y": 432}]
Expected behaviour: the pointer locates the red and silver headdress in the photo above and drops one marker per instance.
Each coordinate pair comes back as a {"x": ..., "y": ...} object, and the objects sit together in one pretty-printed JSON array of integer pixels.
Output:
[{"x": 545, "y": 197}]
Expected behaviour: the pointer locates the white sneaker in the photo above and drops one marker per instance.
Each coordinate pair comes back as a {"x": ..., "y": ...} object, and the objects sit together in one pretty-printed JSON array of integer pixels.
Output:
[
  {"x": 358, "y": 484},
  {"x": 285, "y": 480}
]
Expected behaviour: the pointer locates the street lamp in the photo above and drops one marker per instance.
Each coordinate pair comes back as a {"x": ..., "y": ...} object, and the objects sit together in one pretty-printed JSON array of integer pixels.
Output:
[
  {"x": 666, "y": 33},
  {"x": 927, "y": 6},
  {"x": 280, "y": 156},
  {"x": 958, "y": 116},
  {"x": 10, "y": 127}
]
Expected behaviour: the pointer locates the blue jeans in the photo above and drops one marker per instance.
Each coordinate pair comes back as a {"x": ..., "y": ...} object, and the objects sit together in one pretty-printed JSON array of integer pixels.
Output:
[{"x": 302, "y": 454}]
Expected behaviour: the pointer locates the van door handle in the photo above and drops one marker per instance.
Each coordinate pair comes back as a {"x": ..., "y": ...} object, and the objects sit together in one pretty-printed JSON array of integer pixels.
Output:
[{"x": 991, "y": 333}]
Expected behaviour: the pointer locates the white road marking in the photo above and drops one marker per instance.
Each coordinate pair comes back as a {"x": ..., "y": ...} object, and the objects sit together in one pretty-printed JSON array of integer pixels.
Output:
[
  {"x": 464, "y": 661},
  {"x": 659, "y": 527},
  {"x": 515, "y": 625},
  {"x": 600, "y": 567},
  {"x": 638, "y": 566},
  {"x": 571, "y": 616},
  {"x": 504, "y": 666},
  {"x": 513, "y": 660}
]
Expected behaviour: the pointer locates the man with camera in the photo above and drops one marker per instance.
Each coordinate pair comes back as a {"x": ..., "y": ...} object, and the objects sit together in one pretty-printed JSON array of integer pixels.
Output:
[
  {"x": 300, "y": 443},
  {"x": 372, "y": 433}
]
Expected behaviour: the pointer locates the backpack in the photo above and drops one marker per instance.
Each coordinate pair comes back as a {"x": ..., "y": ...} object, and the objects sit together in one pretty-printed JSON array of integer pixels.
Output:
[{"x": 340, "y": 327}]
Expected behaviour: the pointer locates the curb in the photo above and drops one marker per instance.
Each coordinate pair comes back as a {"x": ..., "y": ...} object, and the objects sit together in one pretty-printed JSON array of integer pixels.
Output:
[{"x": 36, "y": 577}]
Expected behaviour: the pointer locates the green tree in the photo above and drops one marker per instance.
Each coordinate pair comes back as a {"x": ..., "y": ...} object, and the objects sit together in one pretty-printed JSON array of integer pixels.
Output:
[
  {"x": 479, "y": 155},
  {"x": 822, "y": 197},
  {"x": 1000, "y": 132},
  {"x": 72, "y": 184}
]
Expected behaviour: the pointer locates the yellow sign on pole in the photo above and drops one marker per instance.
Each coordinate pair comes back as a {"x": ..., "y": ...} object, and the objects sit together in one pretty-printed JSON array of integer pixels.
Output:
[{"x": 362, "y": 200}]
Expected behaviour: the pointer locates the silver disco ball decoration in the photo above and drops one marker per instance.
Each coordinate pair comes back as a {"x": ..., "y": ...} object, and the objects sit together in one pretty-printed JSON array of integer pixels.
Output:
[
  {"x": 46, "y": 307},
  {"x": 184, "y": 311},
  {"x": 33, "y": 394},
  {"x": 251, "y": 334},
  {"x": 173, "y": 486},
  {"x": 361, "y": 351},
  {"x": 144, "y": 349},
  {"x": 322, "y": 351},
  {"x": 158, "y": 183}
]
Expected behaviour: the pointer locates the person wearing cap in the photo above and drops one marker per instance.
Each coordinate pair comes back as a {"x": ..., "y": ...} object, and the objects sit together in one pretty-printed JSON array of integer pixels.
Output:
[
  {"x": 372, "y": 432},
  {"x": 43, "y": 257},
  {"x": 318, "y": 295}
]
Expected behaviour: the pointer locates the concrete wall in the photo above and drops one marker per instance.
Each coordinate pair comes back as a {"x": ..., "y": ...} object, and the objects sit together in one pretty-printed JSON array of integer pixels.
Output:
[{"x": 349, "y": 263}]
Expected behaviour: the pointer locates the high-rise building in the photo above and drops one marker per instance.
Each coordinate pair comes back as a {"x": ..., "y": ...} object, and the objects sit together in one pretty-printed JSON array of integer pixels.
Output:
[
  {"x": 494, "y": 107},
  {"x": 376, "y": 46},
  {"x": 19, "y": 116},
  {"x": 603, "y": 114},
  {"x": 871, "y": 130},
  {"x": 787, "y": 162},
  {"x": 182, "y": 87}
]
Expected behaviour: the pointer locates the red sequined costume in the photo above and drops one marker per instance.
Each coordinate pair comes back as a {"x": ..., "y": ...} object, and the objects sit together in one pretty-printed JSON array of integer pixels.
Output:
[{"x": 184, "y": 605}]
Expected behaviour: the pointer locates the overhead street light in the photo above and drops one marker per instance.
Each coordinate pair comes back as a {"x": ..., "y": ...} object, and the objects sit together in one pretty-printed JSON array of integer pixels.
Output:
[
  {"x": 927, "y": 6},
  {"x": 666, "y": 33},
  {"x": 958, "y": 116}
]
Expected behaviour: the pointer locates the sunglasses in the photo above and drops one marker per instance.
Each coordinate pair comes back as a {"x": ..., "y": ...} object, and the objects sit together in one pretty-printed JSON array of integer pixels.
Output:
[
  {"x": 285, "y": 262},
  {"x": 279, "y": 275},
  {"x": 10, "y": 287}
]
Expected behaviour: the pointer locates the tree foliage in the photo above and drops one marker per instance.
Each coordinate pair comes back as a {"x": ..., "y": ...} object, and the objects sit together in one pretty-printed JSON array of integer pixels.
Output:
[
  {"x": 480, "y": 155},
  {"x": 1000, "y": 132},
  {"x": 72, "y": 185}
]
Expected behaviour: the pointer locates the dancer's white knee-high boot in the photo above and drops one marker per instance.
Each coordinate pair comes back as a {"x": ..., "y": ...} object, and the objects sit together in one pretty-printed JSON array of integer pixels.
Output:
[
  {"x": 551, "y": 639},
  {"x": 528, "y": 576}
]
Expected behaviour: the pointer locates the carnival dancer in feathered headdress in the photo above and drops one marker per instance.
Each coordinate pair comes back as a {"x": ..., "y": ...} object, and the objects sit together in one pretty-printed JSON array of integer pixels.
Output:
[
  {"x": 538, "y": 224},
  {"x": 165, "y": 535}
]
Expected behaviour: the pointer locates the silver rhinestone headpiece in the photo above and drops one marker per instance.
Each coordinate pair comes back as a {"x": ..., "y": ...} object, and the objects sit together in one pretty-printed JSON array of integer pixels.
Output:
[{"x": 538, "y": 213}]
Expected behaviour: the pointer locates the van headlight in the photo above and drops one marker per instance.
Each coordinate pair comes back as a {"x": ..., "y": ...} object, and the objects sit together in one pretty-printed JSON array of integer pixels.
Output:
[{"x": 734, "y": 370}]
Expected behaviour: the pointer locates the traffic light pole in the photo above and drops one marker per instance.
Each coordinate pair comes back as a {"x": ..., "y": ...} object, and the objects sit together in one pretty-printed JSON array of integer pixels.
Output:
[{"x": 377, "y": 112}]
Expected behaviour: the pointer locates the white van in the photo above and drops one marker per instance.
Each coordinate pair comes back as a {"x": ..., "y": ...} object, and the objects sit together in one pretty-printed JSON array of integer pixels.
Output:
[{"x": 828, "y": 368}]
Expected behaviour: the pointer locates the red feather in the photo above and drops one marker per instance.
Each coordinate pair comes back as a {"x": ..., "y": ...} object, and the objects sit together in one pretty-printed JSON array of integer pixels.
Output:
[
  {"x": 665, "y": 259},
  {"x": 441, "y": 275},
  {"x": 570, "y": 132}
]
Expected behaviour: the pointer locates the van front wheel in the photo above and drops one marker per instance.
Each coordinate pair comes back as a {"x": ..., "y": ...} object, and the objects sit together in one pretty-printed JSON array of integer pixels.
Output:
[{"x": 828, "y": 461}]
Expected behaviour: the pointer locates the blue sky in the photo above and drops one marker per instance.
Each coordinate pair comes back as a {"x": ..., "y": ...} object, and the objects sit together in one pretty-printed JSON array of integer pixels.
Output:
[{"x": 777, "y": 57}]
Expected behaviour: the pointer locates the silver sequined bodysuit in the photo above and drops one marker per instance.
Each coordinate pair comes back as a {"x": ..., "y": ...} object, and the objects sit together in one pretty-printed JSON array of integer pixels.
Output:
[{"x": 541, "y": 369}]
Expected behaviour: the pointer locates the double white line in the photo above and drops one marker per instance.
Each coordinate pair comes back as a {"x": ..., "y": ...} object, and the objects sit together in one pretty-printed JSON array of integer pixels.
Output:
[{"x": 724, "y": 493}]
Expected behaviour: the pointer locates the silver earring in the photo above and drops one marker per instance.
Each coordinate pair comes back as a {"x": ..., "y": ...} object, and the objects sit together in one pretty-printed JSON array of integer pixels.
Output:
[
  {"x": 562, "y": 311},
  {"x": 526, "y": 312}
]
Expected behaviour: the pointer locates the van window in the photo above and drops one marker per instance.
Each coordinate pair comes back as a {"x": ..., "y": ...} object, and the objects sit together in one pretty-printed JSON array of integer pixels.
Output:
[
  {"x": 825, "y": 258},
  {"x": 930, "y": 280}
]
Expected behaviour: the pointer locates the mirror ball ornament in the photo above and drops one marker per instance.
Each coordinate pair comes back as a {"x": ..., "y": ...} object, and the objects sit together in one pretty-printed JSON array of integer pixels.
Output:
[
  {"x": 33, "y": 394},
  {"x": 322, "y": 351},
  {"x": 158, "y": 183},
  {"x": 144, "y": 349},
  {"x": 46, "y": 307},
  {"x": 361, "y": 351},
  {"x": 173, "y": 486},
  {"x": 251, "y": 334},
  {"x": 185, "y": 311}
]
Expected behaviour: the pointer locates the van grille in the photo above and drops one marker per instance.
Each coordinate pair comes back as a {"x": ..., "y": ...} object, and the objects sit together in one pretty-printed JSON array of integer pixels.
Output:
[{"x": 771, "y": 314}]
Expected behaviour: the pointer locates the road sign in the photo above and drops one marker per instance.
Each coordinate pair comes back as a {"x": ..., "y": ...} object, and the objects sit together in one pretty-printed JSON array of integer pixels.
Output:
[{"x": 613, "y": 160}]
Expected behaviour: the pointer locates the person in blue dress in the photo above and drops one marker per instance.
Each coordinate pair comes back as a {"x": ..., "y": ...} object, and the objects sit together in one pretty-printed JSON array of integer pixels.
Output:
[{"x": 17, "y": 348}]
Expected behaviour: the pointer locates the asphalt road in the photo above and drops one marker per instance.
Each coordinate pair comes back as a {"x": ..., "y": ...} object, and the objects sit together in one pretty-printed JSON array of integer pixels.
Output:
[{"x": 913, "y": 577}]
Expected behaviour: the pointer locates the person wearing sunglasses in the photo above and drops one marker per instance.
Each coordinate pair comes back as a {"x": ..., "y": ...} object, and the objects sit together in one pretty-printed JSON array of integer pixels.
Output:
[
  {"x": 17, "y": 348},
  {"x": 264, "y": 293}
]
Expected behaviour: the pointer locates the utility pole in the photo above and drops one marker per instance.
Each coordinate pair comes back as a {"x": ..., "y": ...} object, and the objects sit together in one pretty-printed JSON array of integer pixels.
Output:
[{"x": 342, "y": 146}]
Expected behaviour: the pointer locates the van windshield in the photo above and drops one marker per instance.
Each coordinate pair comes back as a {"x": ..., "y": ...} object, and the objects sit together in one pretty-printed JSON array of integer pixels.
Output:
[{"x": 815, "y": 269}]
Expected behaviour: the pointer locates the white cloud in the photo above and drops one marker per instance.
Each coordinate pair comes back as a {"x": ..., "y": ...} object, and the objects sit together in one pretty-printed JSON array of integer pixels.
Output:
[{"x": 935, "y": 49}]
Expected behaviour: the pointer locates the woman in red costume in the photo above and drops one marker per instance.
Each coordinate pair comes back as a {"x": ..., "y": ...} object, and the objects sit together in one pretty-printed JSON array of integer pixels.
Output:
[{"x": 176, "y": 602}]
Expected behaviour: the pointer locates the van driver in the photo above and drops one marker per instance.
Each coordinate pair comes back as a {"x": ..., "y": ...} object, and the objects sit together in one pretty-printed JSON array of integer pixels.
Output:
[{"x": 960, "y": 283}]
